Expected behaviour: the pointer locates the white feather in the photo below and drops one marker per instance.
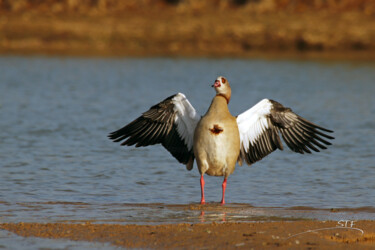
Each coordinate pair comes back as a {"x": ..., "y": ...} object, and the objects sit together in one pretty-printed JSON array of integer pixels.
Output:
[
  {"x": 253, "y": 122},
  {"x": 186, "y": 119}
]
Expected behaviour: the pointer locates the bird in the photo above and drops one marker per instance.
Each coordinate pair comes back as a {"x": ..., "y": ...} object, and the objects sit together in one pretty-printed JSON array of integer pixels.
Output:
[{"x": 218, "y": 140}]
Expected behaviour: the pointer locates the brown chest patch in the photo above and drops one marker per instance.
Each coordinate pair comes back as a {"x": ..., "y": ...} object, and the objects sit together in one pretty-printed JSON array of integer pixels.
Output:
[{"x": 216, "y": 129}]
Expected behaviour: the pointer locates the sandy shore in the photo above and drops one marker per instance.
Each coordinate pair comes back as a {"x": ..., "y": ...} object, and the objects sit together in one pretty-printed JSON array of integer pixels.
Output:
[
  {"x": 257, "y": 235},
  {"x": 196, "y": 226}
]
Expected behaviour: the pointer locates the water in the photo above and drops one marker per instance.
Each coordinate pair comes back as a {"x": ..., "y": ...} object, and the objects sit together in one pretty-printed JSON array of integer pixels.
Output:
[{"x": 56, "y": 162}]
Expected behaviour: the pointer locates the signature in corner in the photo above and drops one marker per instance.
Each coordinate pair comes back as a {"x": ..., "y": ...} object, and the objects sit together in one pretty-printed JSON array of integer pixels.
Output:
[
  {"x": 344, "y": 223},
  {"x": 341, "y": 224}
]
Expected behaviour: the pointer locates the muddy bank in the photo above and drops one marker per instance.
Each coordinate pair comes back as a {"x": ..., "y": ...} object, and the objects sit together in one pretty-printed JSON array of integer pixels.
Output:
[
  {"x": 304, "y": 234},
  {"x": 187, "y": 28},
  {"x": 195, "y": 226}
]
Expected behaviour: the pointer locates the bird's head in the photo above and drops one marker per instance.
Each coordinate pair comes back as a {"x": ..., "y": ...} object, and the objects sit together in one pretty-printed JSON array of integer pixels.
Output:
[{"x": 222, "y": 87}]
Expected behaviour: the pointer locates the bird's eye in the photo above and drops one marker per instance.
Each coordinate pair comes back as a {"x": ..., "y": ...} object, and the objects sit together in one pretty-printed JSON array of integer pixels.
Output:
[{"x": 224, "y": 80}]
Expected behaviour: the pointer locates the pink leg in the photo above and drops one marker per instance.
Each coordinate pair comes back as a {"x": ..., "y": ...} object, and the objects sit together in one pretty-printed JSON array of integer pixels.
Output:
[
  {"x": 224, "y": 185},
  {"x": 202, "y": 191}
]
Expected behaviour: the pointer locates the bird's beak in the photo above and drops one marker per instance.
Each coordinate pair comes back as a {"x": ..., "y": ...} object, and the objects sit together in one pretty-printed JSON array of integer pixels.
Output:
[{"x": 216, "y": 84}]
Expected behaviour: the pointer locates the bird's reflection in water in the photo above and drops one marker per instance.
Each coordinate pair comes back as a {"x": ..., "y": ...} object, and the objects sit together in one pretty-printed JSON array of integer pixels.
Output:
[{"x": 212, "y": 217}]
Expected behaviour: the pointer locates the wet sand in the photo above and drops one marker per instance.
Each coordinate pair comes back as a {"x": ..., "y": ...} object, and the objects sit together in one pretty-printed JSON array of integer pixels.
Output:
[
  {"x": 207, "y": 226},
  {"x": 281, "y": 235}
]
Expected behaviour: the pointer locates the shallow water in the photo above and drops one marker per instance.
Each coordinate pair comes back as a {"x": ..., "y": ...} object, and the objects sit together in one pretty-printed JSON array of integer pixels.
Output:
[{"x": 55, "y": 114}]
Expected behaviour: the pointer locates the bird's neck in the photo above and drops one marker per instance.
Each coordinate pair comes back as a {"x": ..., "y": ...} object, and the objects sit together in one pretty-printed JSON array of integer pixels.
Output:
[
  {"x": 219, "y": 105},
  {"x": 226, "y": 96}
]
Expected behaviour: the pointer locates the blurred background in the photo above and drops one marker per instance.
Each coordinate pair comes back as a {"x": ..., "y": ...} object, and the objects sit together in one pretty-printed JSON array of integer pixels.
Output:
[{"x": 188, "y": 27}]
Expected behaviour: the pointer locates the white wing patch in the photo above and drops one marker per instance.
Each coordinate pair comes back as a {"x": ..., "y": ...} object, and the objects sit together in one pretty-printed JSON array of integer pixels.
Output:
[
  {"x": 186, "y": 119},
  {"x": 253, "y": 123}
]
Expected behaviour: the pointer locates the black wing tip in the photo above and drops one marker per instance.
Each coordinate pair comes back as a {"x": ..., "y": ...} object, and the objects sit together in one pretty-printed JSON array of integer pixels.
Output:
[
  {"x": 112, "y": 136},
  {"x": 116, "y": 136},
  {"x": 330, "y": 137},
  {"x": 321, "y": 128},
  {"x": 314, "y": 125}
]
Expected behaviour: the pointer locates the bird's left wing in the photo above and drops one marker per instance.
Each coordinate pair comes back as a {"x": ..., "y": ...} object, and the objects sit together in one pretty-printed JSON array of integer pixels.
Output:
[
  {"x": 171, "y": 122},
  {"x": 261, "y": 125}
]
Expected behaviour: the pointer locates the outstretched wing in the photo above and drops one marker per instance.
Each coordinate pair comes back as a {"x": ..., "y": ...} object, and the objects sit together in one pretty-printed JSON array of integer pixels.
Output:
[
  {"x": 171, "y": 122},
  {"x": 260, "y": 128}
]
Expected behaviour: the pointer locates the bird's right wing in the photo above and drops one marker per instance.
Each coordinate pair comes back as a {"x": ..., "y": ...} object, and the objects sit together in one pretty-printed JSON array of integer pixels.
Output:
[{"x": 171, "y": 122}]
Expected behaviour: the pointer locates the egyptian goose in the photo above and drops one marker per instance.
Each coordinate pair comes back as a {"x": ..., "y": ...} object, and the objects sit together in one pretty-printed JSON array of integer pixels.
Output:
[{"x": 218, "y": 140}]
